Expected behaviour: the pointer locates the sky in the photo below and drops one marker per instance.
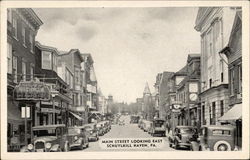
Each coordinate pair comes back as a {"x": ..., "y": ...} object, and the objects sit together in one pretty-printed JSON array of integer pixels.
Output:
[{"x": 129, "y": 46}]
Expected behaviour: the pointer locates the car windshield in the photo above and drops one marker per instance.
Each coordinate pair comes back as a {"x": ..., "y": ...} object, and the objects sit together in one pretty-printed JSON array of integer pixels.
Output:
[
  {"x": 159, "y": 123},
  {"x": 48, "y": 132},
  {"x": 74, "y": 131},
  {"x": 186, "y": 130}
]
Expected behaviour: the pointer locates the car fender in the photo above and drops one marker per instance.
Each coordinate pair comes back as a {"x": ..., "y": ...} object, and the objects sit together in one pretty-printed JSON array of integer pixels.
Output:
[
  {"x": 222, "y": 142},
  {"x": 55, "y": 148},
  {"x": 195, "y": 146}
]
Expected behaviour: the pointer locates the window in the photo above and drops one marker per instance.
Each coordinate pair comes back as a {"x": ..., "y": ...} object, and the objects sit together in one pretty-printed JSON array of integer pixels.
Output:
[
  {"x": 221, "y": 108},
  {"x": 240, "y": 77},
  {"x": 9, "y": 58},
  {"x": 31, "y": 43},
  {"x": 15, "y": 27},
  {"x": 231, "y": 81},
  {"x": 55, "y": 62},
  {"x": 46, "y": 60},
  {"x": 23, "y": 35},
  {"x": 221, "y": 132},
  {"x": 31, "y": 71},
  {"x": 221, "y": 70},
  {"x": 210, "y": 83},
  {"x": 193, "y": 87},
  {"x": 23, "y": 70},
  {"x": 15, "y": 68},
  {"x": 77, "y": 76},
  {"x": 203, "y": 114},
  {"x": 213, "y": 113},
  {"x": 77, "y": 99},
  {"x": 9, "y": 15},
  {"x": 209, "y": 43}
]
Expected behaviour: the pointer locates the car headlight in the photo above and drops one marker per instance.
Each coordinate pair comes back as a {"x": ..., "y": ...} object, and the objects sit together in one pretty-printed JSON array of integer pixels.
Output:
[
  {"x": 30, "y": 146},
  {"x": 75, "y": 137},
  {"x": 48, "y": 145}
]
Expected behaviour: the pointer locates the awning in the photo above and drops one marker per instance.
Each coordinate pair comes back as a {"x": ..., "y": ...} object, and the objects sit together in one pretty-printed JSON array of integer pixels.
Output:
[
  {"x": 233, "y": 114},
  {"x": 75, "y": 115}
]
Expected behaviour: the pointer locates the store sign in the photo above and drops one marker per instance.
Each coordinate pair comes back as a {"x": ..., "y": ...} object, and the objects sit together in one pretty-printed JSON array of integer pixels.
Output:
[
  {"x": 25, "y": 112},
  {"x": 31, "y": 90},
  {"x": 49, "y": 110}
]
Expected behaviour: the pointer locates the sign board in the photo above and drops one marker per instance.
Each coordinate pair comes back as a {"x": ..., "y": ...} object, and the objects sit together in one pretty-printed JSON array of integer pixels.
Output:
[
  {"x": 31, "y": 90},
  {"x": 27, "y": 112},
  {"x": 49, "y": 110}
]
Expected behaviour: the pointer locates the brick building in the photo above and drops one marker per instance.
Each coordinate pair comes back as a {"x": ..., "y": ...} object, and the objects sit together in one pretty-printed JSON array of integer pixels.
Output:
[{"x": 22, "y": 27}]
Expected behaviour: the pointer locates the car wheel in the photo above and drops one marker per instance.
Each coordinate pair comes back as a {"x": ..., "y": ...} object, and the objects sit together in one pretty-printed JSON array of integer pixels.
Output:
[
  {"x": 222, "y": 146},
  {"x": 170, "y": 145}
]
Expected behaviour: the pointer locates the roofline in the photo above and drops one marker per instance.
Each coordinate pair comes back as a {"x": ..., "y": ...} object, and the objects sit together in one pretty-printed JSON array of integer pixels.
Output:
[
  {"x": 35, "y": 16},
  {"x": 43, "y": 47}
]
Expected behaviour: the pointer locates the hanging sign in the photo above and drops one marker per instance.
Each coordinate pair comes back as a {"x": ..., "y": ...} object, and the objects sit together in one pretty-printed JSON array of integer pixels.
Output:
[
  {"x": 25, "y": 112},
  {"x": 31, "y": 90}
]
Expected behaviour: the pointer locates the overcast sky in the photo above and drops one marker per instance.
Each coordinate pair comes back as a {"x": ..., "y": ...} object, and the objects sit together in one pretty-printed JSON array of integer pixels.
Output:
[{"x": 129, "y": 46}]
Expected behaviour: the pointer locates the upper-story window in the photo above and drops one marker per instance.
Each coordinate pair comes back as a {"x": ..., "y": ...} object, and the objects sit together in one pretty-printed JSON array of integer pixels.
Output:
[
  {"x": 46, "y": 60},
  {"x": 15, "y": 68},
  {"x": 9, "y": 57},
  {"x": 23, "y": 35},
  {"x": 31, "y": 40},
  {"x": 77, "y": 76},
  {"x": 23, "y": 70},
  {"x": 31, "y": 71},
  {"x": 55, "y": 62},
  {"x": 15, "y": 27},
  {"x": 231, "y": 72},
  {"x": 240, "y": 78},
  {"x": 9, "y": 15}
]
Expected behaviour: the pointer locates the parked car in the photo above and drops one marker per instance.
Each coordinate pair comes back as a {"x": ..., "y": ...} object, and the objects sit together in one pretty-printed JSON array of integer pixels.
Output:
[
  {"x": 134, "y": 119},
  {"x": 77, "y": 137},
  {"x": 147, "y": 126},
  {"x": 158, "y": 127},
  {"x": 48, "y": 138},
  {"x": 92, "y": 131},
  {"x": 100, "y": 129},
  {"x": 182, "y": 136},
  {"x": 215, "y": 138},
  {"x": 121, "y": 123}
]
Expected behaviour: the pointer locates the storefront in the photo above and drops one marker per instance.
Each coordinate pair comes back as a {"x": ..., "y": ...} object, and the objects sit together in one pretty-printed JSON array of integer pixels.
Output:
[
  {"x": 22, "y": 101},
  {"x": 234, "y": 117}
]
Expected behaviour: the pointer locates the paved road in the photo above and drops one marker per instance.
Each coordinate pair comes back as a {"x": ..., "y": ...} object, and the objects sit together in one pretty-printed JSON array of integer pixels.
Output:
[{"x": 126, "y": 131}]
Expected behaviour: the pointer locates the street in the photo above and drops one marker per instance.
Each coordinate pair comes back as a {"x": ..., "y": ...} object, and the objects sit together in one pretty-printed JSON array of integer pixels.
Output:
[{"x": 126, "y": 131}]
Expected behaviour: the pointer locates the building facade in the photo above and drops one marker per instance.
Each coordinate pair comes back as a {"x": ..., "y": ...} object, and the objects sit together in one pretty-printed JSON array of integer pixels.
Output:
[
  {"x": 187, "y": 93},
  {"x": 233, "y": 52},
  {"x": 22, "y": 27},
  {"x": 214, "y": 25}
]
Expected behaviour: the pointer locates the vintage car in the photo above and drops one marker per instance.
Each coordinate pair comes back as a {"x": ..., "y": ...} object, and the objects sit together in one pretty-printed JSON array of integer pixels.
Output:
[
  {"x": 134, "y": 119},
  {"x": 121, "y": 122},
  {"x": 147, "y": 126},
  {"x": 100, "y": 129},
  {"x": 48, "y": 138},
  {"x": 140, "y": 123},
  {"x": 92, "y": 131},
  {"x": 215, "y": 138},
  {"x": 182, "y": 136},
  {"x": 158, "y": 127},
  {"x": 77, "y": 137}
]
